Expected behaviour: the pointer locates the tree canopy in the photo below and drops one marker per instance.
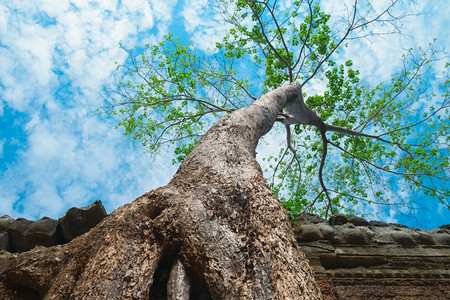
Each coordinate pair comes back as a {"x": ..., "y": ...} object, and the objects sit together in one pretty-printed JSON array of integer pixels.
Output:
[{"x": 380, "y": 143}]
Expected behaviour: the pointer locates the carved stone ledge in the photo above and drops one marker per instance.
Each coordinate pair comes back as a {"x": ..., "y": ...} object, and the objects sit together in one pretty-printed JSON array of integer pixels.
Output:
[{"x": 374, "y": 250}]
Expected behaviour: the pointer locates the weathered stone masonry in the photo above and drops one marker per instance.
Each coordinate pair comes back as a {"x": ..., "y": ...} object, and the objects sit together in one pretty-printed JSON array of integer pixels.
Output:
[
  {"x": 351, "y": 257},
  {"x": 22, "y": 235},
  {"x": 356, "y": 259}
]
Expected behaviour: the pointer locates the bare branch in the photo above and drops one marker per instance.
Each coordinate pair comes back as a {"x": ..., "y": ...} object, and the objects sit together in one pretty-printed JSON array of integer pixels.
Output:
[
  {"x": 372, "y": 164},
  {"x": 322, "y": 164}
]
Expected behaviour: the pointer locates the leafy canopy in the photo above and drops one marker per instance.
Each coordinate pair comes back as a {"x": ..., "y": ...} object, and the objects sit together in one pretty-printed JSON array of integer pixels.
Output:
[{"x": 385, "y": 143}]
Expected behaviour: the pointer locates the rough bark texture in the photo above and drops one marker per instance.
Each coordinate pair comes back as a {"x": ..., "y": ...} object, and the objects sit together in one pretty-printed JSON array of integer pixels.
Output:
[{"x": 216, "y": 231}]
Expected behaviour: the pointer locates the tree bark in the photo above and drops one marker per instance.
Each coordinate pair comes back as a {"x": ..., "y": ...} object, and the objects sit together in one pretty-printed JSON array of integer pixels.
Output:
[{"x": 215, "y": 231}]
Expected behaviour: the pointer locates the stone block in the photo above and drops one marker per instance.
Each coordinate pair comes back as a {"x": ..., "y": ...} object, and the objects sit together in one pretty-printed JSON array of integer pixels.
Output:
[
  {"x": 44, "y": 232},
  {"x": 424, "y": 238},
  {"x": 378, "y": 224},
  {"x": 310, "y": 233},
  {"x": 402, "y": 238},
  {"x": 77, "y": 221},
  {"x": 441, "y": 236},
  {"x": 338, "y": 219},
  {"x": 5, "y": 220},
  {"x": 4, "y": 240},
  {"x": 357, "y": 221},
  {"x": 306, "y": 218},
  {"x": 327, "y": 231},
  {"x": 25, "y": 235},
  {"x": 355, "y": 236},
  {"x": 17, "y": 231}
]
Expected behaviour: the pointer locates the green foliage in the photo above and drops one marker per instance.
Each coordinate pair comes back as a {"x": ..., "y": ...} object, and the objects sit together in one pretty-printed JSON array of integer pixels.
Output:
[
  {"x": 183, "y": 151},
  {"x": 406, "y": 150},
  {"x": 387, "y": 142},
  {"x": 289, "y": 45},
  {"x": 170, "y": 93}
]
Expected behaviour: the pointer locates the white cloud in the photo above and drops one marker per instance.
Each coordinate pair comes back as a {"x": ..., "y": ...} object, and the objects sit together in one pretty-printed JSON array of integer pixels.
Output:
[
  {"x": 61, "y": 169},
  {"x": 206, "y": 26},
  {"x": 4, "y": 15},
  {"x": 162, "y": 9},
  {"x": 54, "y": 8},
  {"x": 53, "y": 70},
  {"x": 192, "y": 17}
]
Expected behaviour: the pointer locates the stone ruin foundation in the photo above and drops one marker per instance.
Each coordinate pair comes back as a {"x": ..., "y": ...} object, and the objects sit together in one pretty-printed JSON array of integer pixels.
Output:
[
  {"x": 352, "y": 258},
  {"x": 356, "y": 259}
]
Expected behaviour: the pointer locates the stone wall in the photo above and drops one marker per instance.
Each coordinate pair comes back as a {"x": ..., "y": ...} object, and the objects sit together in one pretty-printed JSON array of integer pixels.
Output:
[
  {"x": 356, "y": 259},
  {"x": 22, "y": 235},
  {"x": 351, "y": 257}
]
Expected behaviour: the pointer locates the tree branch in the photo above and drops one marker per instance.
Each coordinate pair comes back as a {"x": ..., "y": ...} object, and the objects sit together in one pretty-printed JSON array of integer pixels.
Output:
[
  {"x": 350, "y": 28},
  {"x": 265, "y": 36},
  {"x": 322, "y": 164}
]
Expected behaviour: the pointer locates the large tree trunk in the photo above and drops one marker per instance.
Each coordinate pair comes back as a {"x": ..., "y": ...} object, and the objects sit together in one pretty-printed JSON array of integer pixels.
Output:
[{"x": 216, "y": 231}]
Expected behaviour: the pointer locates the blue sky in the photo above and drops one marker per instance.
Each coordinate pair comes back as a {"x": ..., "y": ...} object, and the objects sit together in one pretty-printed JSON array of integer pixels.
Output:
[{"x": 57, "y": 55}]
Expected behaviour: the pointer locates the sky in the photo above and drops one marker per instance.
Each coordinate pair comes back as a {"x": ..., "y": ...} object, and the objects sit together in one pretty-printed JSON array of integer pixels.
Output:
[{"x": 56, "y": 56}]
